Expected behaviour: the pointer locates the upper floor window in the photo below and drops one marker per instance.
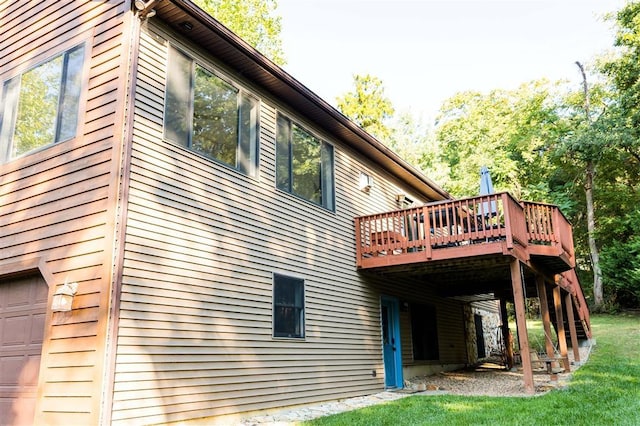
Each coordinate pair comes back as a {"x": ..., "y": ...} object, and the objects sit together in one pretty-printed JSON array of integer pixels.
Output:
[
  {"x": 40, "y": 106},
  {"x": 210, "y": 116},
  {"x": 304, "y": 164}
]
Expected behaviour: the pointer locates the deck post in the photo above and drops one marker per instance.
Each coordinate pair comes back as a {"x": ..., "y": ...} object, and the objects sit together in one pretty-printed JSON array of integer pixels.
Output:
[
  {"x": 572, "y": 327},
  {"x": 562, "y": 338},
  {"x": 521, "y": 322},
  {"x": 358, "y": 243},
  {"x": 506, "y": 335},
  {"x": 546, "y": 317}
]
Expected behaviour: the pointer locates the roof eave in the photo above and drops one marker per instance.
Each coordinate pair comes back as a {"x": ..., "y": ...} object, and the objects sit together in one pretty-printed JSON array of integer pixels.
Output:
[{"x": 252, "y": 63}]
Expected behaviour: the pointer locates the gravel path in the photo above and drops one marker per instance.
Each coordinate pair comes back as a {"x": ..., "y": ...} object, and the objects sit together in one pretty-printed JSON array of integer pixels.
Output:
[{"x": 486, "y": 379}]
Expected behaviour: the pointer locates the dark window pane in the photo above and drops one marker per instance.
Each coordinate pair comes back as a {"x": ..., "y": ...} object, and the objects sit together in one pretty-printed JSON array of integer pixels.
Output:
[
  {"x": 306, "y": 165},
  {"x": 10, "y": 93},
  {"x": 248, "y": 143},
  {"x": 424, "y": 332},
  {"x": 177, "y": 114},
  {"x": 283, "y": 154},
  {"x": 68, "y": 116},
  {"x": 288, "y": 306},
  {"x": 215, "y": 118},
  {"x": 385, "y": 325},
  {"x": 328, "y": 199}
]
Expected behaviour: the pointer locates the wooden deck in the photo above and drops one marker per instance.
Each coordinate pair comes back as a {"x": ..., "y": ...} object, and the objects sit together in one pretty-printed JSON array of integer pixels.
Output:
[
  {"x": 485, "y": 228},
  {"x": 486, "y": 247}
]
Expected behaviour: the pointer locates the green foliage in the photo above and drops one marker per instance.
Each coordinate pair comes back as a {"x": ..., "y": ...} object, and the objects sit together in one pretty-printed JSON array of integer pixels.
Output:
[
  {"x": 253, "y": 20},
  {"x": 539, "y": 141},
  {"x": 368, "y": 106},
  {"x": 625, "y": 69},
  {"x": 507, "y": 131},
  {"x": 620, "y": 166},
  {"x": 604, "y": 391},
  {"x": 621, "y": 259}
]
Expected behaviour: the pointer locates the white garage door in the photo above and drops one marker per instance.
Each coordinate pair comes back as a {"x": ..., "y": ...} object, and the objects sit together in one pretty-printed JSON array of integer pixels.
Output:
[{"x": 22, "y": 313}]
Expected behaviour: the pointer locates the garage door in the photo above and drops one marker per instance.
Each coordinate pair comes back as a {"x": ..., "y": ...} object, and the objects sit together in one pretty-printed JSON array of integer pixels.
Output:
[{"x": 22, "y": 313}]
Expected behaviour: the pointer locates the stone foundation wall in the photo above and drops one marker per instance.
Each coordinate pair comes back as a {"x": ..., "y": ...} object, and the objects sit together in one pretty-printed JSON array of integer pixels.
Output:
[{"x": 491, "y": 332}]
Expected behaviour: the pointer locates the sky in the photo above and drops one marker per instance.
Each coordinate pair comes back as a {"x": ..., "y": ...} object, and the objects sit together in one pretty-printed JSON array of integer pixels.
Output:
[{"x": 425, "y": 51}]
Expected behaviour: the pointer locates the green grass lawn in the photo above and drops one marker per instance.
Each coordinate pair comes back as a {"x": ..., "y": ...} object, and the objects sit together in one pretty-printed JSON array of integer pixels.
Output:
[{"x": 605, "y": 391}]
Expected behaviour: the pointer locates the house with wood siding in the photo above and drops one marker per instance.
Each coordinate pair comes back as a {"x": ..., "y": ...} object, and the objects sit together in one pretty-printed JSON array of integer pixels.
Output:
[{"x": 230, "y": 243}]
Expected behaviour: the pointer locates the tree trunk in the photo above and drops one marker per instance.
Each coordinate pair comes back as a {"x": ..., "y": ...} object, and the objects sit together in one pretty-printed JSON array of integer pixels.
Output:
[{"x": 598, "y": 298}]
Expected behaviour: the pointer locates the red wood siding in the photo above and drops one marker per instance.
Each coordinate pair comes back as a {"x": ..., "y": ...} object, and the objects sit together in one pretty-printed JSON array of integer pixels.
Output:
[{"x": 59, "y": 203}]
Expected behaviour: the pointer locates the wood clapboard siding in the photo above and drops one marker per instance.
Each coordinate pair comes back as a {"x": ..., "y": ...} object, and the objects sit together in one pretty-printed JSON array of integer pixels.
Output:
[
  {"x": 449, "y": 317},
  {"x": 59, "y": 203},
  {"x": 202, "y": 244},
  {"x": 488, "y": 305}
]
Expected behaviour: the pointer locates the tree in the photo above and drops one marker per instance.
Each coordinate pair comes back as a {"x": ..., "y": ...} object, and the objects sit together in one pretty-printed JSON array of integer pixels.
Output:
[
  {"x": 253, "y": 21},
  {"x": 589, "y": 150},
  {"x": 508, "y": 131},
  {"x": 368, "y": 106},
  {"x": 590, "y": 170},
  {"x": 415, "y": 142}
]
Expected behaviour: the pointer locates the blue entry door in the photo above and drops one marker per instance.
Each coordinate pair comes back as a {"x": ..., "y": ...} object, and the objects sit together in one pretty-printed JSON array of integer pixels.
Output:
[{"x": 392, "y": 354}]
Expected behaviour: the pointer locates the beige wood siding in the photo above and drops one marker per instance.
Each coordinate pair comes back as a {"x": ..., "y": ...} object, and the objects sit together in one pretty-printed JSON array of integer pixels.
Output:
[
  {"x": 202, "y": 244},
  {"x": 449, "y": 316},
  {"x": 492, "y": 306},
  {"x": 58, "y": 204}
]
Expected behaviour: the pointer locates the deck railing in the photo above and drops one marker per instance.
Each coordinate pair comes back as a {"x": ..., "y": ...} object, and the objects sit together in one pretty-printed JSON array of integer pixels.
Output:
[
  {"x": 571, "y": 283},
  {"x": 451, "y": 223},
  {"x": 546, "y": 225}
]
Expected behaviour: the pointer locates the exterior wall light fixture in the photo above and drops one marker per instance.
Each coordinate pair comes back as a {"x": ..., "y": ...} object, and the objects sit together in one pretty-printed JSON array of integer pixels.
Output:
[
  {"x": 63, "y": 297},
  {"x": 145, "y": 8},
  {"x": 366, "y": 182}
]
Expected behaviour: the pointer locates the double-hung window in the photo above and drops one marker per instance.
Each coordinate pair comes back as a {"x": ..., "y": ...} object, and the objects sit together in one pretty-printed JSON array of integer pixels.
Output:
[
  {"x": 304, "y": 164},
  {"x": 288, "y": 306},
  {"x": 40, "y": 106},
  {"x": 209, "y": 115}
]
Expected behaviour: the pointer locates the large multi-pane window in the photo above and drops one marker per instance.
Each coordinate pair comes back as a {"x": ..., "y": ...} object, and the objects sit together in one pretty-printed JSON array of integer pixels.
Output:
[
  {"x": 288, "y": 306},
  {"x": 304, "y": 164},
  {"x": 209, "y": 115},
  {"x": 40, "y": 106}
]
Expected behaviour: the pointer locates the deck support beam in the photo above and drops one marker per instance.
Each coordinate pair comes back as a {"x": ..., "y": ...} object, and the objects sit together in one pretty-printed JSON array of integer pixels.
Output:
[
  {"x": 572, "y": 327},
  {"x": 546, "y": 316},
  {"x": 521, "y": 322},
  {"x": 562, "y": 337}
]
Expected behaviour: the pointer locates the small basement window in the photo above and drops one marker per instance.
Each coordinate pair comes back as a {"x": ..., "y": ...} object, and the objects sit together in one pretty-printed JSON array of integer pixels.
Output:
[{"x": 288, "y": 306}]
